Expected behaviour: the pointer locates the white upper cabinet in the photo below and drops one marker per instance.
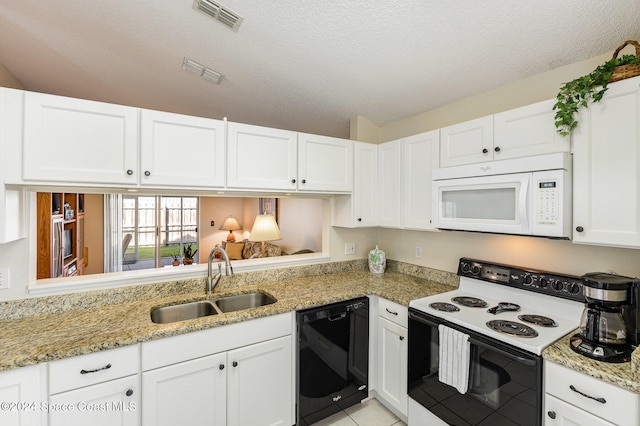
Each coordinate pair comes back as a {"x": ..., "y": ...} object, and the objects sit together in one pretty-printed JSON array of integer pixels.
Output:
[
  {"x": 12, "y": 218},
  {"x": 466, "y": 143},
  {"x": 526, "y": 131},
  {"x": 606, "y": 169},
  {"x": 520, "y": 132},
  {"x": 273, "y": 159},
  {"x": 390, "y": 184},
  {"x": 360, "y": 208},
  {"x": 181, "y": 150},
  {"x": 324, "y": 164},
  {"x": 78, "y": 141},
  {"x": 420, "y": 157},
  {"x": 261, "y": 158}
]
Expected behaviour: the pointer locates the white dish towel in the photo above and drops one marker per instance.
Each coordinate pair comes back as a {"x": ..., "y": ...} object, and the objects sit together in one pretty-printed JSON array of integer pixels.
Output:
[{"x": 453, "y": 368}]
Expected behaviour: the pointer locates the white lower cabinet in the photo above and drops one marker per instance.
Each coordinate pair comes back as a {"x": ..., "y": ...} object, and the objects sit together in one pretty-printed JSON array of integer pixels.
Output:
[
  {"x": 391, "y": 352},
  {"x": 112, "y": 403},
  {"x": 98, "y": 389},
  {"x": 259, "y": 378},
  {"x": 21, "y": 390},
  {"x": 189, "y": 393},
  {"x": 236, "y": 375},
  {"x": 574, "y": 398}
]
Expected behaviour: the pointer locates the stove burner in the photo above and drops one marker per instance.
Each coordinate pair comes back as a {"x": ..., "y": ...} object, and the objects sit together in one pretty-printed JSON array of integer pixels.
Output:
[
  {"x": 471, "y": 302},
  {"x": 538, "y": 320},
  {"x": 512, "y": 328},
  {"x": 444, "y": 307}
]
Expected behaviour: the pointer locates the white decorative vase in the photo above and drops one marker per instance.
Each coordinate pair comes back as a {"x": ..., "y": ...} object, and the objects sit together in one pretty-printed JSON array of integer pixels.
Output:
[{"x": 377, "y": 261}]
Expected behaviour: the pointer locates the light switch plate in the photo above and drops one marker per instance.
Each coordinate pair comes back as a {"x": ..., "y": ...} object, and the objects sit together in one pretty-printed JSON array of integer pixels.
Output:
[
  {"x": 418, "y": 251},
  {"x": 4, "y": 278}
]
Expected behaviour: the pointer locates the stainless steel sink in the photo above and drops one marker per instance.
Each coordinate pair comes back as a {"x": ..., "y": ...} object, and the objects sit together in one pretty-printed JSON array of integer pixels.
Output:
[
  {"x": 244, "y": 301},
  {"x": 183, "y": 311},
  {"x": 203, "y": 308}
]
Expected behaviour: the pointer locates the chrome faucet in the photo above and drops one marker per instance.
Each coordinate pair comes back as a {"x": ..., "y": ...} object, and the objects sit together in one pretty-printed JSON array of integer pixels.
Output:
[{"x": 213, "y": 281}]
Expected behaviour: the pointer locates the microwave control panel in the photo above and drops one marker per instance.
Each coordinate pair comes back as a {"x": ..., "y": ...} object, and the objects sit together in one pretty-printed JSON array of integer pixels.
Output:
[{"x": 551, "y": 203}]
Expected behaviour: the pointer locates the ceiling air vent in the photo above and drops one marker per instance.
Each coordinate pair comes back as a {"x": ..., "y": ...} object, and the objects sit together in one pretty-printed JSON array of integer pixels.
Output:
[{"x": 220, "y": 13}]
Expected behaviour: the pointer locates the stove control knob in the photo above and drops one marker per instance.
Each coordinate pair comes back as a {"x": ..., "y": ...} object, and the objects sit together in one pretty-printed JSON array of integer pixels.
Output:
[
  {"x": 557, "y": 285},
  {"x": 475, "y": 269},
  {"x": 527, "y": 279},
  {"x": 465, "y": 267},
  {"x": 574, "y": 288},
  {"x": 544, "y": 282}
]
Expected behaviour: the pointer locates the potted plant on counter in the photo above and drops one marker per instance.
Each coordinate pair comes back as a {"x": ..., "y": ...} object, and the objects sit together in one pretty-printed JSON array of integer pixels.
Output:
[
  {"x": 188, "y": 253},
  {"x": 175, "y": 261}
]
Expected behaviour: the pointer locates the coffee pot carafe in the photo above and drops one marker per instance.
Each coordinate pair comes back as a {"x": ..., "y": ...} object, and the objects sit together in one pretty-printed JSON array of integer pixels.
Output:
[{"x": 608, "y": 326}]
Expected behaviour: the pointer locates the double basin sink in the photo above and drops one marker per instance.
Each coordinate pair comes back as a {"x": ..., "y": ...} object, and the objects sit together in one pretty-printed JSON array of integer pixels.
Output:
[{"x": 203, "y": 308}]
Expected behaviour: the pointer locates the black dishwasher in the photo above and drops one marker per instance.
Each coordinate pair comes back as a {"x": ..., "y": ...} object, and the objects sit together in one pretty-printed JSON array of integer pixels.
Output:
[{"x": 333, "y": 358}]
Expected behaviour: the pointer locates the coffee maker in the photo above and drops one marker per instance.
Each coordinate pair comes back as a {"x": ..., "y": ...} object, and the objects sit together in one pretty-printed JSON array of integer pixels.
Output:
[{"x": 610, "y": 324}]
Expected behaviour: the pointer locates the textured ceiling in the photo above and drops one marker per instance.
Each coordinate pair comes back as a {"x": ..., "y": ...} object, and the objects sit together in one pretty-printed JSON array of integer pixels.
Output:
[{"x": 300, "y": 64}]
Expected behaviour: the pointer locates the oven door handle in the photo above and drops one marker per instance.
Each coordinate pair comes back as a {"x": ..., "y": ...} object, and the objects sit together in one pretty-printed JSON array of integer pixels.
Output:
[{"x": 526, "y": 361}]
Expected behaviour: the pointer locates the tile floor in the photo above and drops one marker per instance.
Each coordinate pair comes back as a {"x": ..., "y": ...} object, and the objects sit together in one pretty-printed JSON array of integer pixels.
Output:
[{"x": 368, "y": 413}]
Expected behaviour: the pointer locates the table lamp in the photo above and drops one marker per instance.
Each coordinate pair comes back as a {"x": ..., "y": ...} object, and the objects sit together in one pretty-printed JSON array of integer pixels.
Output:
[
  {"x": 264, "y": 229},
  {"x": 230, "y": 224}
]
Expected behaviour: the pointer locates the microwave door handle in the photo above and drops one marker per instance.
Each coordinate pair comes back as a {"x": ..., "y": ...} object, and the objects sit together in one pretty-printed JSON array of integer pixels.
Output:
[{"x": 525, "y": 201}]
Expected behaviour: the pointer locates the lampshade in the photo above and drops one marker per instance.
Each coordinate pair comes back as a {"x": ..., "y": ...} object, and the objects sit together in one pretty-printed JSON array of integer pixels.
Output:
[
  {"x": 264, "y": 229},
  {"x": 230, "y": 224}
]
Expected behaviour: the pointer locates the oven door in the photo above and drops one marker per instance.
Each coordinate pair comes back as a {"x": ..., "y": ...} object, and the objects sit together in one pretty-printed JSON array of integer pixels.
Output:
[
  {"x": 497, "y": 204},
  {"x": 505, "y": 383}
]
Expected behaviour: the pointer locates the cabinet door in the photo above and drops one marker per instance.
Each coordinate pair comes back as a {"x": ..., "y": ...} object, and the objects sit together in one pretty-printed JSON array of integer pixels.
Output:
[
  {"x": 324, "y": 164},
  {"x": 189, "y": 393},
  {"x": 21, "y": 389},
  {"x": 390, "y": 184},
  {"x": 181, "y": 150},
  {"x": 606, "y": 169},
  {"x": 526, "y": 131},
  {"x": 12, "y": 201},
  {"x": 467, "y": 143},
  {"x": 392, "y": 364},
  {"x": 560, "y": 413},
  {"x": 261, "y": 158},
  {"x": 106, "y": 404},
  {"x": 260, "y": 384},
  {"x": 360, "y": 208},
  {"x": 365, "y": 180},
  {"x": 420, "y": 157},
  {"x": 74, "y": 140}
]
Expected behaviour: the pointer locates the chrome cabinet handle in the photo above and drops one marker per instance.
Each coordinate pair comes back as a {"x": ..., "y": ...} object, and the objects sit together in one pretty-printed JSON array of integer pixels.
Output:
[
  {"x": 147, "y": 173},
  {"x": 485, "y": 150},
  {"x": 129, "y": 392},
  {"x": 293, "y": 181},
  {"x": 579, "y": 228},
  {"x": 551, "y": 414},
  {"x": 129, "y": 172},
  {"x": 391, "y": 312},
  {"x": 106, "y": 367},
  {"x": 600, "y": 400},
  {"x": 221, "y": 367},
  {"x": 496, "y": 149},
  {"x": 235, "y": 363},
  {"x": 401, "y": 337}
]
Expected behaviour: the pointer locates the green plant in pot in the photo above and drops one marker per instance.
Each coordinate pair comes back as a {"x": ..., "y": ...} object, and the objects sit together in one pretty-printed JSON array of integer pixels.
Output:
[
  {"x": 591, "y": 88},
  {"x": 175, "y": 256},
  {"x": 188, "y": 253}
]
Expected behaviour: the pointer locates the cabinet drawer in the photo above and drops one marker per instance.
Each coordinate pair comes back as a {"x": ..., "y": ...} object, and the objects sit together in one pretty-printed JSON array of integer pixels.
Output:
[
  {"x": 85, "y": 370},
  {"x": 619, "y": 406},
  {"x": 393, "y": 311}
]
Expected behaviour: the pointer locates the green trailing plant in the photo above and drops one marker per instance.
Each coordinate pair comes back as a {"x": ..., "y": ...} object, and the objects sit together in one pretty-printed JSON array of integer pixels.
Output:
[{"x": 579, "y": 92}]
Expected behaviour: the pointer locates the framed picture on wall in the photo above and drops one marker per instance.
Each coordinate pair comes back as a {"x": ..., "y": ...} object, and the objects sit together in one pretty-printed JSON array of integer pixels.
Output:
[{"x": 268, "y": 206}]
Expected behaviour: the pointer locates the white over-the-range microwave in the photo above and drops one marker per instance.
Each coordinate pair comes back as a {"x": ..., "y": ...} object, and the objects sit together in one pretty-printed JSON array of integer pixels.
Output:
[{"x": 522, "y": 196}]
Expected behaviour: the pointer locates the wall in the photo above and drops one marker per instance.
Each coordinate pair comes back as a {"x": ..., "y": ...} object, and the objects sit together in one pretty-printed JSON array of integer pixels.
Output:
[
  {"x": 9, "y": 80},
  {"x": 441, "y": 250}
]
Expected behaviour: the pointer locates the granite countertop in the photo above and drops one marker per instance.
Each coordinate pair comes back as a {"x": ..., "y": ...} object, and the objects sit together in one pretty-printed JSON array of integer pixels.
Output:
[
  {"x": 625, "y": 375},
  {"x": 35, "y": 339},
  {"x": 45, "y": 329}
]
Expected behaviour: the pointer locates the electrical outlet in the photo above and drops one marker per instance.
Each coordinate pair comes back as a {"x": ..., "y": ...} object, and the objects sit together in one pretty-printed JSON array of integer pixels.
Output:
[
  {"x": 4, "y": 278},
  {"x": 418, "y": 251},
  {"x": 349, "y": 248}
]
